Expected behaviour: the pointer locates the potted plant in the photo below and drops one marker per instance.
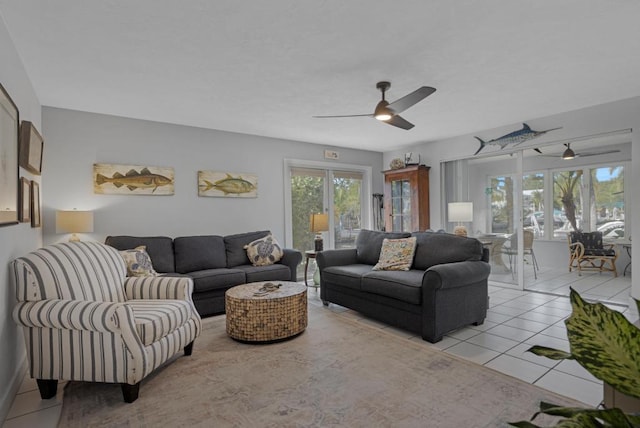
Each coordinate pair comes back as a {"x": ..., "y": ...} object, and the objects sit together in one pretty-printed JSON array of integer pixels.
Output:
[{"x": 607, "y": 345}]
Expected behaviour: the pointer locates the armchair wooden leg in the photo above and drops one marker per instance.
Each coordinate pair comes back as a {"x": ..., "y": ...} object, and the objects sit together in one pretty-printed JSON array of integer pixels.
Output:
[
  {"x": 130, "y": 392},
  {"x": 48, "y": 388},
  {"x": 188, "y": 349}
]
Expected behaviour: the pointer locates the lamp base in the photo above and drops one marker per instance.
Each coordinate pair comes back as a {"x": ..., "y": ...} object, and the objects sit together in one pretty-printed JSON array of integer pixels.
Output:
[
  {"x": 318, "y": 244},
  {"x": 74, "y": 238},
  {"x": 460, "y": 231}
]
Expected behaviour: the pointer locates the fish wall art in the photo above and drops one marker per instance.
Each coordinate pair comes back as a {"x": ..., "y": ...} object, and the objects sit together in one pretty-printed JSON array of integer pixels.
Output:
[
  {"x": 133, "y": 180},
  {"x": 515, "y": 138},
  {"x": 227, "y": 184}
]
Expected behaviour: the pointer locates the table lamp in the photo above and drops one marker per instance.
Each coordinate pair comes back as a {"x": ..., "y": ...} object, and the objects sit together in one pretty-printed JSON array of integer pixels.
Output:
[
  {"x": 319, "y": 224},
  {"x": 74, "y": 222},
  {"x": 460, "y": 212}
]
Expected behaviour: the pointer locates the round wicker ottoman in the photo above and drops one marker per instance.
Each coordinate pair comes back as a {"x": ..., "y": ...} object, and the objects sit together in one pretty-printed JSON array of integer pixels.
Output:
[{"x": 266, "y": 311}]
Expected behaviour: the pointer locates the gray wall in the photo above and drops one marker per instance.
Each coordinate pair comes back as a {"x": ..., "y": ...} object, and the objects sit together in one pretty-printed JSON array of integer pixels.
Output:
[
  {"x": 77, "y": 140},
  {"x": 599, "y": 119},
  {"x": 18, "y": 239}
]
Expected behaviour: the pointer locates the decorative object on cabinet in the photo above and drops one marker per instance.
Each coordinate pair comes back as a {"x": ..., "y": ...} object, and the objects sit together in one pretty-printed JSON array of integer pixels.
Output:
[
  {"x": 74, "y": 222},
  {"x": 25, "y": 200},
  {"x": 9, "y": 120},
  {"x": 396, "y": 163},
  {"x": 460, "y": 212},
  {"x": 132, "y": 180},
  {"x": 319, "y": 224},
  {"x": 31, "y": 148},
  {"x": 406, "y": 199},
  {"x": 35, "y": 204},
  {"x": 411, "y": 158},
  {"x": 226, "y": 184}
]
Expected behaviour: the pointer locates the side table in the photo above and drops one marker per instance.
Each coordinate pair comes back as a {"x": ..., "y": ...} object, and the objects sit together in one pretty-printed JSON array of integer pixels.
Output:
[{"x": 311, "y": 254}]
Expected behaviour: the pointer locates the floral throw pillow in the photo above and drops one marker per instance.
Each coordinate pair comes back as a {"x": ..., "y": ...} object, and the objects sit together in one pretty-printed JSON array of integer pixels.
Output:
[
  {"x": 138, "y": 262},
  {"x": 264, "y": 251},
  {"x": 396, "y": 254}
]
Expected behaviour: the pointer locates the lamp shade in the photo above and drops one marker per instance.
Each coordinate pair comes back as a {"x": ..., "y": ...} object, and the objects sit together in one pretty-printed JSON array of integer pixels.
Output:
[
  {"x": 319, "y": 222},
  {"x": 460, "y": 211},
  {"x": 74, "y": 221}
]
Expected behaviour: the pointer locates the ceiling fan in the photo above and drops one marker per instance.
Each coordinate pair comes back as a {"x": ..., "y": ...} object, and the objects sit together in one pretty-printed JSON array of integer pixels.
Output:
[
  {"x": 390, "y": 112},
  {"x": 570, "y": 154}
]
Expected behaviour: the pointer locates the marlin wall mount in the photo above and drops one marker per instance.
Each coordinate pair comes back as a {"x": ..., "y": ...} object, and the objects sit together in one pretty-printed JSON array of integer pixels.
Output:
[{"x": 515, "y": 138}]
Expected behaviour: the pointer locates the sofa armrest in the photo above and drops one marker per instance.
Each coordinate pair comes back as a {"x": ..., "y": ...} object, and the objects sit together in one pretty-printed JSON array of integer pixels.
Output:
[
  {"x": 292, "y": 259},
  {"x": 159, "y": 287},
  {"x": 68, "y": 315},
  {"x": 341, "y": 257},
  {"x": 458, "y": 274}
]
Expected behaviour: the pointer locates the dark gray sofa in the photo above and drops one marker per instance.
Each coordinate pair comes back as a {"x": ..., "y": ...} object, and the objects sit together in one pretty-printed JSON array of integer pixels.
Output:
[
  {"x": 445, "y": 289},
  {"x": 215, "y": 263}
]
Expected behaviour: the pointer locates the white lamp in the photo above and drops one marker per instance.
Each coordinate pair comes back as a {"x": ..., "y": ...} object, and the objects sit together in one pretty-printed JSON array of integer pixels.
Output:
[
  {"x": 74, "y": 222},
  {"x": 319, "y": 224},
  {"x": 460, "y": 212}
]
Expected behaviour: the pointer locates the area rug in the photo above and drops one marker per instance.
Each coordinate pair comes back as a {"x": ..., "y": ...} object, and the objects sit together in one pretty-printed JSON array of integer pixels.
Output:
[{"x": 340, "y": 372}]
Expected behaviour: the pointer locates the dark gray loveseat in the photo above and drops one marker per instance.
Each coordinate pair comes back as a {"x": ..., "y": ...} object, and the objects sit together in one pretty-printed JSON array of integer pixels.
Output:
[
  {"x": 215, "y": 263},
  {"x": 445, "y": 289}
]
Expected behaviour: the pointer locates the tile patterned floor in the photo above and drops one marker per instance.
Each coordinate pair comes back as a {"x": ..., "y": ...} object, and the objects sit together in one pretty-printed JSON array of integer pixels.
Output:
[{"x": 516, "y": 320}]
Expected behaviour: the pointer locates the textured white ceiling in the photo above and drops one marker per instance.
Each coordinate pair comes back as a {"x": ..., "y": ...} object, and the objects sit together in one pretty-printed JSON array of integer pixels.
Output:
[{"x": 266, "y": 67}]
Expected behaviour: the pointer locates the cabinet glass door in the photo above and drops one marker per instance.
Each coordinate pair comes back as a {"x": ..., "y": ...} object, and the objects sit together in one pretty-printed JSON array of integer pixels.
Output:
[{"x": 401, "y": 205}]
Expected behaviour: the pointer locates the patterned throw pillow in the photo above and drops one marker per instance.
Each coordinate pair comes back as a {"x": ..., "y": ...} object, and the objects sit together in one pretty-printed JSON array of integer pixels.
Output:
[
  {"x": 264, "y": 251},
  {"x": 396, "y": 254},
  {"x": 138, "y": 262}
]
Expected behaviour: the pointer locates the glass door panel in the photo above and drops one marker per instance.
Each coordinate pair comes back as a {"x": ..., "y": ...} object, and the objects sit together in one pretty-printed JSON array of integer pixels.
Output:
[{"x": 347, "y": 208}]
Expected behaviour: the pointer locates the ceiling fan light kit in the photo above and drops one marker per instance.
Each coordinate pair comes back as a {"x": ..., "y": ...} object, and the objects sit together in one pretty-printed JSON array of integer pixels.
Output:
[
  {"x": 389, "y": 113},
  {"x": 568, "y": 154}
]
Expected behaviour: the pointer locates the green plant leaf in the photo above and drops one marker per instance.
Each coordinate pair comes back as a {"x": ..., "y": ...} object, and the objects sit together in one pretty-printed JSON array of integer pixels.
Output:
[
  {"x": 554, "y": 354},
  {"x": 605, "y": 343}
]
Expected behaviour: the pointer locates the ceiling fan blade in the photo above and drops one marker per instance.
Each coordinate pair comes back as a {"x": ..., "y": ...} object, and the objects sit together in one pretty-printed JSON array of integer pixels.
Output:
[
  {"x": 414, "y": 97},
  {"x": 606, "y": 152},
  {"x": 346, "y": 115},
  {"x": 399, "y": 122}
]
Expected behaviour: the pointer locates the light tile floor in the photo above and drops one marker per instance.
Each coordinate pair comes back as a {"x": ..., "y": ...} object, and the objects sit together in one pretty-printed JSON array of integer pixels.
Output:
[{"x": 516, "y": 320}]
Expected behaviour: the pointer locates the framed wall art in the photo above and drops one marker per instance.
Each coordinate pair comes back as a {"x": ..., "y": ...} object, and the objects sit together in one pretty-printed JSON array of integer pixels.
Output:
[
  {"x": 31, "y": 146},
  {"x": 9, "y": 121},
  {"x": 25, "y": 200},
  {"x": 133, "y": 180},
  {"x": 35, "y": 204},
  {"x": 227, "y": 184}
]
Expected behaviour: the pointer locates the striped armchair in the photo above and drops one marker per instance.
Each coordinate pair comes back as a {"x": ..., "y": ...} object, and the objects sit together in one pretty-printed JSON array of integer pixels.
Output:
[{"x": 84, "y": 320}]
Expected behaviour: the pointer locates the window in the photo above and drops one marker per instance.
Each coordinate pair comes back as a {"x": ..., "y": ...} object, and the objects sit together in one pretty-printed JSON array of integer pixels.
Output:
[
  {"x": 501, "y": 196},
  {"x": 606, "y": 202},
  {"x": 533, "y": 203},
  {"x": 567, "y": 200}
]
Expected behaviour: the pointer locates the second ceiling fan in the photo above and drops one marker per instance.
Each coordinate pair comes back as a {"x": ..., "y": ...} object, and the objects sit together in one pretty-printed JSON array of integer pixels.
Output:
[{"x": 389, "y": 113}]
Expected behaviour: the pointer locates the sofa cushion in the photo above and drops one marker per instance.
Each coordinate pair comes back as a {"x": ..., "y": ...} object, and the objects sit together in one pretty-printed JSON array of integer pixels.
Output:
[
  {"x": 157, "y": 318},
  {"x": 264, "y": 251},
  {"x": 159, "y": 248},
  {"x": 195, "y": 253},
  {"x": 234, "y": 244},
  {"x": 138, "y": 262},
  {"x": 438, "y": 248},
  {"x": 275, "y": 272},
  {"x": 404, "y": 286},
  {"x": 396, "y": 254},
  {"x": 215, "y": 279},
  {"x": 347, "y": 276},
  {"x": 369, "y": 243}
]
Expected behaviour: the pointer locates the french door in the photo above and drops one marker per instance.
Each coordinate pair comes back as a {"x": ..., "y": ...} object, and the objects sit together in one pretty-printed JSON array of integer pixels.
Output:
[{"x": 337, "y": 190}]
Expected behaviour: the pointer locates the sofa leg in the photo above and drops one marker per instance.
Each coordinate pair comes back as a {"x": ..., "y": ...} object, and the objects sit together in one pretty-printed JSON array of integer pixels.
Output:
[
  {"x": 130, "y": 392},
  {"x": 48, "y": 388},
  {"x": 188, "y": 349},
  {"x": 325, "y": 303},
  {"x": 479, "y": 322},
  {"x": 432, "y": 339}
]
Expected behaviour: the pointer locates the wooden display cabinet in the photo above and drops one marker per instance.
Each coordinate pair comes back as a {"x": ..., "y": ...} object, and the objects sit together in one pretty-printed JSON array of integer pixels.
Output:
[{"x": 406, "y": 199}]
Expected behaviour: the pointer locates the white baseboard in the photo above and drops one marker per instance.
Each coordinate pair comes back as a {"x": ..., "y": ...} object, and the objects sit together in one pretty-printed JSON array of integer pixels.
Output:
[{"x": 10, "y": 393}]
